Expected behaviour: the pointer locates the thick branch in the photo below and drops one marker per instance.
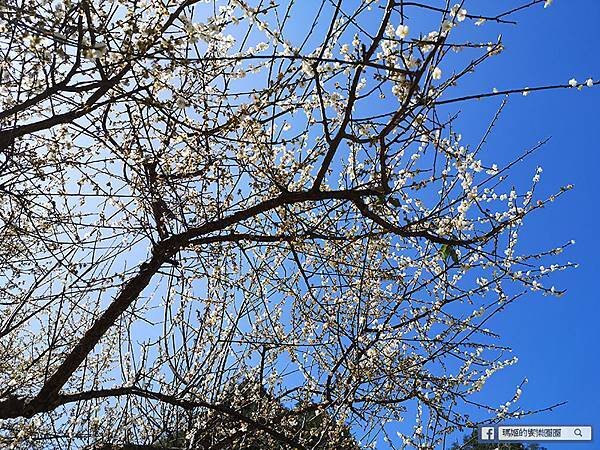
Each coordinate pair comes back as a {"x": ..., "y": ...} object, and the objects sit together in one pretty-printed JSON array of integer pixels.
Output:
[{"x": 47, "y": 398}]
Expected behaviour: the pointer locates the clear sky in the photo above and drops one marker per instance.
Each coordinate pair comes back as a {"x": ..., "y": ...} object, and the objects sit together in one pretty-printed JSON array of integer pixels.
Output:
[{"x": 556, "y": 339}]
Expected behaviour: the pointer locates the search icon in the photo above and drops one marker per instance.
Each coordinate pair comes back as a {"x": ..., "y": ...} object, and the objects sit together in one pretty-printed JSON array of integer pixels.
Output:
[{"x": 577, "y": 432}]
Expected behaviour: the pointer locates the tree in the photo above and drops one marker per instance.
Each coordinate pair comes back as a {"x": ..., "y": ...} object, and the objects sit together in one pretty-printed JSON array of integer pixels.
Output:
[
  {"x": 219, "y": 430},
  {"x": 198, "y": 192},
  {"x": 316, "y": 429}
]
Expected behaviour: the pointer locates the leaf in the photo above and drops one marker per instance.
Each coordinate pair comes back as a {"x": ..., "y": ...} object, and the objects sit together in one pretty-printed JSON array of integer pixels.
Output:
[
  {"x": 380, "y": 199},
  {"x": 394, "y": 202},
  {"x": 448, "y": 251},
  {"x": 454, "y": 255},
  {"x": 444, "y": 251}
]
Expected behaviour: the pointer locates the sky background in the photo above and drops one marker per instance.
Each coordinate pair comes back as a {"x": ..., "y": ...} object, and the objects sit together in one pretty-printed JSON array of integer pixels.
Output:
[{"x": 556, "y": 339}]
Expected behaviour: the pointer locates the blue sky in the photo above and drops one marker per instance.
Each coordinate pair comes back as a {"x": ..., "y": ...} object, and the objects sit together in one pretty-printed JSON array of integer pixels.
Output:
[{"x": 556, "y": 339}]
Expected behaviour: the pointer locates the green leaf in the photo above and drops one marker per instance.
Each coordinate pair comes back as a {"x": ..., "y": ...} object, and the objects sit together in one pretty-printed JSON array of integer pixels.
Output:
[
  {"x": 454, "y": 255},
  {"x": 448, "y": 251},
  {"x": 444, "y": 251}
]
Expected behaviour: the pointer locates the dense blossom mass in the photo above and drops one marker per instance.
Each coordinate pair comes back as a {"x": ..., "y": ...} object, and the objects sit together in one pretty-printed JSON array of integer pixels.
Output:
[{"x": 201, "y": 195}]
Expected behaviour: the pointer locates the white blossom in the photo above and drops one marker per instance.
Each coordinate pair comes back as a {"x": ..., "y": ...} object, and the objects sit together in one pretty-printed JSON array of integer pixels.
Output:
[{"x": 402, "y": 31}]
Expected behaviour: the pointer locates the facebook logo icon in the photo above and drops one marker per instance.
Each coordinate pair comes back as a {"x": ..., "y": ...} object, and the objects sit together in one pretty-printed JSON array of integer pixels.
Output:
[{"x": 487, "y": 433}]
